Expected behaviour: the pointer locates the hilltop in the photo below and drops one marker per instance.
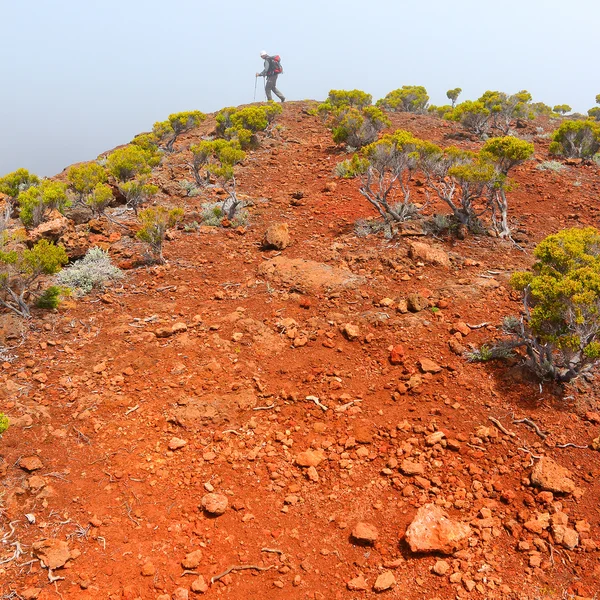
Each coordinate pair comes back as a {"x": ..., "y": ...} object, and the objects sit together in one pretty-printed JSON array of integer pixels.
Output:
[{"x": 321, "y": 390}]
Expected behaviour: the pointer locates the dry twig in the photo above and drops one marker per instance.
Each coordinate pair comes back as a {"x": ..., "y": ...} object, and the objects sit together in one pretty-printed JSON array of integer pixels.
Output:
[{"x": 239, "y": 568}]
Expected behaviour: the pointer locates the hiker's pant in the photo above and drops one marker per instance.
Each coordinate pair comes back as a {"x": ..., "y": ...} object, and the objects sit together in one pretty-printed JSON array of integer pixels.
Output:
[{"x": 270, "y": 87}]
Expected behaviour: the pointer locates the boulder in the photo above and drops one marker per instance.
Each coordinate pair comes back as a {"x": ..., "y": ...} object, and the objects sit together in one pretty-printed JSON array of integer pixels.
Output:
[
  {"x": 52, "y": 552},
  {"x": 421, "y": 251}
]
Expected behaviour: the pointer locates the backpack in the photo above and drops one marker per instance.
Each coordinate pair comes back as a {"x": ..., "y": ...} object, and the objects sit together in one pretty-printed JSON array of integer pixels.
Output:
[{"x": 275, "y": 68}]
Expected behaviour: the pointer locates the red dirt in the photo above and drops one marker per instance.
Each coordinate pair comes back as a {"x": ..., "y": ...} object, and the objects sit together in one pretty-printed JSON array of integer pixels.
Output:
[{"x": 101, "y": 396}]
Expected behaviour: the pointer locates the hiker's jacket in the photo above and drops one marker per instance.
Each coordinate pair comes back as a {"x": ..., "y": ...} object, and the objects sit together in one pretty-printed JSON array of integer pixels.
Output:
[{"x": 268, "y": 68}]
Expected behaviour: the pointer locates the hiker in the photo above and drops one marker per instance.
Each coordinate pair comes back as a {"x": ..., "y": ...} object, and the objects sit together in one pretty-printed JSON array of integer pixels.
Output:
[{"x": 271, "y": 71}]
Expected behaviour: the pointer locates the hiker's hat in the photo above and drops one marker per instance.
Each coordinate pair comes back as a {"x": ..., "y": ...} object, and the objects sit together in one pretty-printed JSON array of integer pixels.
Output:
[{"x": 263, "y": 53}]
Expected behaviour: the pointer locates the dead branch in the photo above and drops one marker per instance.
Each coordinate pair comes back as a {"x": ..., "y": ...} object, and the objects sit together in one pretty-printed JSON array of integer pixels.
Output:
[
  {"x": 216, "y": 578},
  {"x": 501, "y": 427}
]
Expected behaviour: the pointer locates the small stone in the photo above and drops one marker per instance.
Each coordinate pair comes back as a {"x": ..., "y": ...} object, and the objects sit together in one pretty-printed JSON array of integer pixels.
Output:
[
  {"x": 397, "y": 355},
  {"x": 433, "y": 531},
  {"x": 384, "y": 582},
  {"x": 199, "y": 585},
  {"x": 31, "y": 593},
  {"x": 550, "y": 476},
  {"x": 31, "y": 463},
  {"x": 312, "y": 474},
  {"x": 358, "y": 584},
  {"x": 277, "y": 237},
  {"x": 417, "y": 303},
  {"x": 163, "y": 332},
  {"x": 100, "y": 367},
  {"x": 310, "y": 458},
  {"x": 192, "y": 559},
  {"x": 408, "y": 467},
  {"x": 148, "y": 569},
  {"x": 214, "y": 504},
  {"x": 365, "y": 533},
  {"x": 176, "y": 443},
  {"x": 435, "y": 438},
  {"x": 181, "y": 594},
  {"x": 570, "y": 538},
  {"x": 420, "y": 251},
  {"x": 441, "y": 567},
  {"x": 179, "y": 328},
  {"x": 53, "y": 553},
  {"x": 429, "y": 366},
  {"x": 351, "y": 331}
]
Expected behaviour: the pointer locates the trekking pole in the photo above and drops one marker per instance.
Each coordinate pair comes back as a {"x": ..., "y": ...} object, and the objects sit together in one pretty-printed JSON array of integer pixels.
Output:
[{"x": 255, "y": 84}]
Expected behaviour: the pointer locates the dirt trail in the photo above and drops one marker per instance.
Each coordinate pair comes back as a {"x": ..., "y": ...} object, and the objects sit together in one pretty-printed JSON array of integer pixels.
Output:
[{"x": 216, "y": 375}]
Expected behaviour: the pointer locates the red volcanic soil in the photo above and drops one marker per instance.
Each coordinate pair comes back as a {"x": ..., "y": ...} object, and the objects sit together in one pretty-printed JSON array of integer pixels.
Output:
[{"x": 270, "y": 384}]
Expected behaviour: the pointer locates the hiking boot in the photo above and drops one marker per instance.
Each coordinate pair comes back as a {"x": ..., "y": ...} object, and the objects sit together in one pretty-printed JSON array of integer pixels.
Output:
[{"x": 282, "y": 100}]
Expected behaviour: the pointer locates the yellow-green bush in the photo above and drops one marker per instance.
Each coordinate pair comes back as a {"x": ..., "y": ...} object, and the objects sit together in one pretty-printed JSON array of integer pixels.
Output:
[
  {"x": 175, "y": 125},
  {"x": 576, "y": 139},
  {"x": 561, "y": 295},
  {"x": 408, "y": 98},
  {"x": 4, "y": 423},
  {"x": 16, "y": 182},
  {"x": 131, "y": 161},
  {"x": 37, "y": 199},
  {"x": 245, "y": 123},
  {"x": 20, "y": 268},
  {"x": 473, "y": 115},
  {"x": 156, "y": 221},
  {"x": 84, "y": 178},
  {"x": 100, "y": 198},
  {"x": 453, "y": 95},
  {"x": 138, "y": 191}
]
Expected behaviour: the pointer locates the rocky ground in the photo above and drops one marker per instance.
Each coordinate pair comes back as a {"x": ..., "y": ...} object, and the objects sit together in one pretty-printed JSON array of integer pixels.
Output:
[{"x": 299, "y": 423}]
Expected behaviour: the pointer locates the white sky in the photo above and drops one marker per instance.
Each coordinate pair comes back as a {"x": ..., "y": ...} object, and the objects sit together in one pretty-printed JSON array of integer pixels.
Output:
[{"x": 80, "y": 77}]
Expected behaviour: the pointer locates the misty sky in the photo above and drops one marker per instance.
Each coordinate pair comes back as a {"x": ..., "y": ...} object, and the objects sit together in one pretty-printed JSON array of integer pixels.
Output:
[{"x": 80, "y": 77}]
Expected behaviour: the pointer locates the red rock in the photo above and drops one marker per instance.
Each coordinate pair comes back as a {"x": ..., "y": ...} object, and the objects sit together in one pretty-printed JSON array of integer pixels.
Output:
[
  {"x": 365, "y": 533},
  {"x": 358, "y": 584},
  {"x": 176, "y": 443},
  {"x": 31, "y": 463},
  {"x": 53, "y": 553},
  {"x": 433, "y": 531},
  {"x": 351, "y": 331},
  {"x": 427, "y": 253},
  {"x": 310, "y": 458},
  {"x": 550, "y": 476},
  {"x": 199, "y": 585},
  {"x": 148, "y": 569},
  {"x": 214, "y": 504},
  {"x": 429, "y": 366},
  {"x": 192, "y": 559},
  {"x": 397, "y": 355},
  {"x": 384, "y": 582}
]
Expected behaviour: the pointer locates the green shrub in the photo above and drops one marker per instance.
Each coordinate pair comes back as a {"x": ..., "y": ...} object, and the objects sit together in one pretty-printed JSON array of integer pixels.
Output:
[
  {"x": 243, "y": 125},
  {"x": 137, "y": 192},
  {"x": 50, "y": 297},
  {"x": 175, "y": 125},
  {"x": 146, "y": 141},
  {"x": 346, "y": 98},
  {"x": 388, "y": 168},
  {"x": 357, "y": 127},
  {"x": 409, "y": 98},
  {"x": 131, "y": 161},
  {"x": 453, "y": 95},
  {"x": 562, "y": 109},
  {"x": 505, "y": 108},
  {"x": 539, "y": 109},
  {"x": 440, "y": 111},
  {"x": 576, "y": 139},
  {"x": 84, "y": 178},
  {"x": 561, "y": 295},
  {"x": 472, "y": 115},
  {"x": 4, "y": 423},
  {"x": 20, "y": 269},
  {"x": 350, "y": 168},
  {"x": 16, "y": 182},
  {"x": 100, "y": 198},
  {"x": 93, "y": 271},
  {"x": 37, "y": 199},
  {"x": 156, "y": 221},
  {"x": 594, "y": 113}
]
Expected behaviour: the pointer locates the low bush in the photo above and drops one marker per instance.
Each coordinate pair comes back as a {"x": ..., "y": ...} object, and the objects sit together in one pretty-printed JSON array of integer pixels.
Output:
[
  {"x": 472, "y": 115},
  {"x": 243, "y": 124},
  {"x": 551, "y": 165},
  {"x": 4, "y": 423},
  {"x": 84, "y": 178},
  {"x": 50, "y": 297},
  {"x": 130, "y": 162},
  {"x": 560, "y": 323},
  {"x": 20, "y": 270},
  {"x": 137, "y": 192},
  {"x": 16, "y": 182},
  {"x": 576, "y": 139},
  {"x": 408, "y": 98},
  {"x": 156, "y": 221},
  {"x": 37, "y": 199},
  {"x": 562, "y": 109},
  {"x": 175, "y": 125},
  {"x": 100, "y": 198},
  {"x": 93, "y": 271}
]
